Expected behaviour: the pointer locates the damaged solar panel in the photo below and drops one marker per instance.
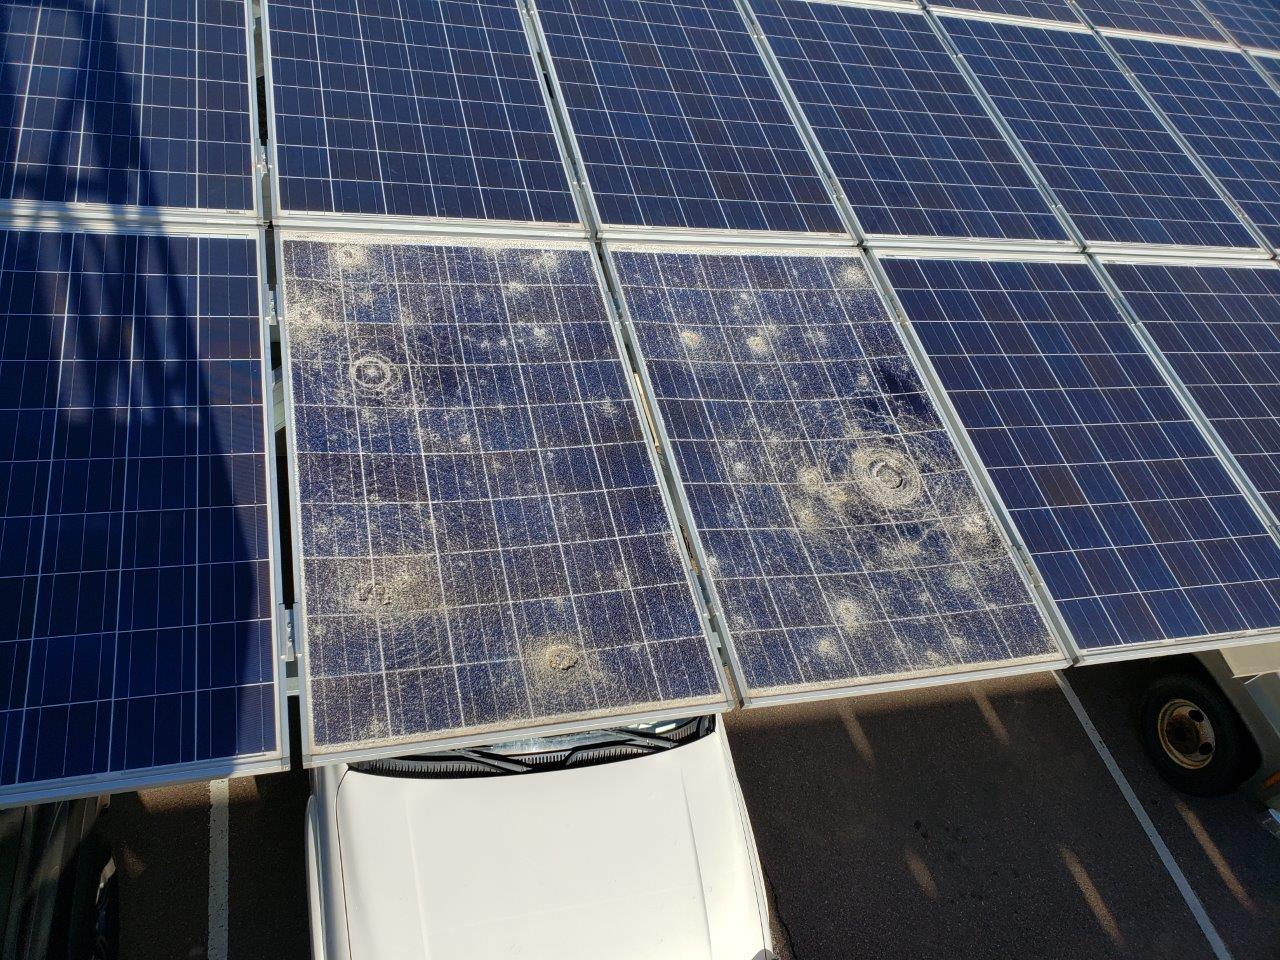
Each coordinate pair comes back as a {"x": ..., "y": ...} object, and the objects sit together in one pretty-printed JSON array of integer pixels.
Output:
[
  {"x": 846, "y": 543},
  {"x": 484, "y": 544}
]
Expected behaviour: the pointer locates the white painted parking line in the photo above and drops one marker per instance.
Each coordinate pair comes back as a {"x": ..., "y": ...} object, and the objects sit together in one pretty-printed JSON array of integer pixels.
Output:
[
  {"x": 219, "y": 868},
  {"x": 1162, "y": 849}
]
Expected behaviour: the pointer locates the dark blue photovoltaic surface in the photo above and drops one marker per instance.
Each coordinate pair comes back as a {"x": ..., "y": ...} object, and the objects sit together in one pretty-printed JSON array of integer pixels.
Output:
[
  {"x": 844, "y": 538},
  {"x": 915, "y": 151},
  {"x": 1175, "y": 18},
  {"x": 421, "y": 108},
  {"x": 677, "y": 118},
  {"x": 1117, "y": 171},
  {"x": 1227, "y": 112},
  {"x": 1220, "y": 329},
  {"x": 1057, "y": 10},
  {"x": 1253, "y": 23},
  {"x": 1135, "y": 525},
  {"x": 484, "y": 542},
  {"x": 134, "y": 530},
  {"x": 140, "y": 102}
]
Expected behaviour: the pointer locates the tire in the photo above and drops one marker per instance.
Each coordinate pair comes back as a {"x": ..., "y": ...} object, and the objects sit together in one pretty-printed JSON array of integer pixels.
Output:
[{"x": 1194, "y": 737}]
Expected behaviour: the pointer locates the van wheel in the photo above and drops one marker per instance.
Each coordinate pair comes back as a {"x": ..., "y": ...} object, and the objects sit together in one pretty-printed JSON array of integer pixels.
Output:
[{"x": 1193, "y": 736}]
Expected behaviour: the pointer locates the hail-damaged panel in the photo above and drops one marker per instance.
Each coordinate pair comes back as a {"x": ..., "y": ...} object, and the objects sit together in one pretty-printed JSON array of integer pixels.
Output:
[
  {"x": 846, "y": 543},
  {"x": 484, "y": 545}
]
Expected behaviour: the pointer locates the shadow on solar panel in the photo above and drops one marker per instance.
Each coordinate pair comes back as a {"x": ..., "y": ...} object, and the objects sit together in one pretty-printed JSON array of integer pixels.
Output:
[
  {"x": 846, "y": 542},
  {"x": 484, "y": 544}
]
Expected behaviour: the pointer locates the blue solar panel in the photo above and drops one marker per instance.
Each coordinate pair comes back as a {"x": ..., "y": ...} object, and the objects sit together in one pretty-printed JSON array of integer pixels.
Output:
[
  {"x": 1254, "y": 23},
  {"x": 484, "y": 541},
  {"x": 134, "y": 532},
  {"x": 1220, "y": 329},
  {"x": 1116, "y": 170},
  {"x": 429, "y": 108},
  {"x": 1175, "y": 18},
  {"x": 1227, "y": 112},
  {"x": 1136, "y": 526},
  {"x": 843, "y": 536},
  {"x": 126, "y": 102},
  {"x": 1054, "y": 10},
  {"x": 915, "y": 151},
  {"x": 677, "y": 118}
]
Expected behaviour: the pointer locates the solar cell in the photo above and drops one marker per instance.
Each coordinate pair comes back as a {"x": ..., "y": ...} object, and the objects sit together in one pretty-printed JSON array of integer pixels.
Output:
[
  {"x": 915, "y": 151},
  {"x": 1227, "y": 112},
  {"x": 125, "y": 102},
  {"x": 417, "y": 108},
  {"x": 1176, "y": 18},
  {"x": 1137, "y": 528},
  {"x": 677, "y": 119},
  {"x": 1122, "y": 177},
  {"x": 484, "y": 543},
  {"x": 134, "y": 532},
  {"x": 843, "y": 536},
  {"x": 1220, "y": 329},
  {"x": 1253, "y": 23},
  {"x": 1053, "y": 10}
]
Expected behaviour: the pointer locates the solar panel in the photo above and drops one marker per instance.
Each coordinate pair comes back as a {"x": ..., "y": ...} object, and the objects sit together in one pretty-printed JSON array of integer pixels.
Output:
[
  {"x": 845, "y": 541},
  {"x": 915, "y": 151},
  {"x": 485, "y": 547},
  {"x": 1137, "y": 528},
  {"x": 1253, "y": 23},
  {"x": 1120, "y": 175},
  {"x": 1174, "y": 18},
  {"x": 427, "y": 108},
  {"x": 1220, "y": 329},
  {"x": 1227, "y": 112},
  {"x": 134, "y": 532},
  {"x": 1052, "y": 10},
  {"x": 677, "y": 119},
  {"x": 122, "y": 102}
]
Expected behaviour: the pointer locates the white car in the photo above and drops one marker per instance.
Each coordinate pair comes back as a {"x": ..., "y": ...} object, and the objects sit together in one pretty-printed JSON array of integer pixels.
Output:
[{"x": 625, "y": 844}]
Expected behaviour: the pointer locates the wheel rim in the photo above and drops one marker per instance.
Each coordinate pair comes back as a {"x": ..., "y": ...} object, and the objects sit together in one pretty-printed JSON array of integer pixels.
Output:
[{"x": 1186, "y": 734}]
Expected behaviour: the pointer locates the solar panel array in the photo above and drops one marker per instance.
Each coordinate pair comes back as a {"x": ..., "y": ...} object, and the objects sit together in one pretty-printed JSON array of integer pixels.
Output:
[
  {"x": 484, "y": 543},
  {"x": 1136, "y": 527},
  {"x": 122, "y": 102},
  {"x": 1122, "y": 177},
  {"x": 426, "y": 109},
  {"x": 913, "y": 147},
  {"x": 1252, "y": 23},
  {"x": 1220, "y": 329},
  {"x": 843, "y": 536},
  {"x": 1172, "y": 18},
  {"x": 677, "y": 119},
  {"x": 134, "y": 533},
  {"x": 1055, "y": 11},
  {"x": 1228, "y": 113}
]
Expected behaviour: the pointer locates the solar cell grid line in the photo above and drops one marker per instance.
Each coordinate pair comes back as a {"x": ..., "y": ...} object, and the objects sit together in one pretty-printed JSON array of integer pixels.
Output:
[
  {"x": 1219, "y": 329},
  {"x": 1053, "y": 11},
  {"x": 127, "y": 103},
  {"x": 1271, "y": 67},
  {"x": 1122, "y": 177},
  {"x": 1227, "y": 112},
  {"x": 1173, "y": 18},
  {"x": 911, "y": 143},
  {"x": 484, "y": 544},
  {"x": 841, "y": 535},
  {"x": 677, "y": 119},
  {"x": 1251, "y": 23},
  {"x": 414, "y": 109},
  {"x": 136, "y": 526},
  {"x": 1138, "y": 529}
]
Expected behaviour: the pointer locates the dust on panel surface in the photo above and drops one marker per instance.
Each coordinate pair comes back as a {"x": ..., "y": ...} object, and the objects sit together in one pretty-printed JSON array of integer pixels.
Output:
[
  {"x": 677, "y": 119},
  {"x": 1137, "y": 528},
  {"x": 484, "y": 543},
  {"x": 1121, "y": 176},
  {"x": 1220, "y": 329},
  {"x": 1053, "y": 10},
  {"x": 426, "y": 108},
  {"x": 127, "y": 102},
  {"x": 1227, "y": 111},
  {"x": 1173, "y": 18},
  {"x": 914, "y": 148},
  {"x": 134, "y": 539},
  {"x": 845, "y": 540}
]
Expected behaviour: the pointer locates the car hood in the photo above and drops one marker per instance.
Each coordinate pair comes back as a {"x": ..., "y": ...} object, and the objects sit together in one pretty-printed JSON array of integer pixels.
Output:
[{"x": 644, "y": 858}]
